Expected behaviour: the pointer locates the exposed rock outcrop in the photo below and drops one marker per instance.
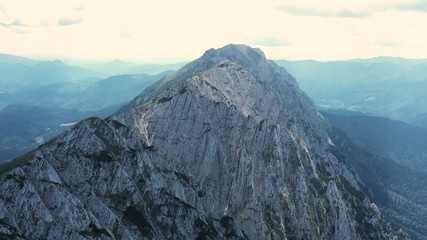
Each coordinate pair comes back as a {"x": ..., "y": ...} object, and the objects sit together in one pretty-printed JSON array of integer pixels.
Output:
[{"x": 226, "y": 147}]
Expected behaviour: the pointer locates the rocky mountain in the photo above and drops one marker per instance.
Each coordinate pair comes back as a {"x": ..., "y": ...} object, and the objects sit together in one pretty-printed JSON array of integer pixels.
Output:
[{"x": 227, "y": 147}]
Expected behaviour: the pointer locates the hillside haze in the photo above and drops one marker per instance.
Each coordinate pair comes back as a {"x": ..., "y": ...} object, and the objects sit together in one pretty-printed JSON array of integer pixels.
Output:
[
  {"x": 40, "y": 99},
  {"x": 226, "y": 147},
  {"x": 383, "y": 86}
]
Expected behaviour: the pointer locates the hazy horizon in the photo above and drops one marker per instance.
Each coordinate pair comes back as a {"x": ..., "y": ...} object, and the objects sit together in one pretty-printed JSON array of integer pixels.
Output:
[
  {"x": 84, "y": 61},
  {"x": 181, "y": 31}
]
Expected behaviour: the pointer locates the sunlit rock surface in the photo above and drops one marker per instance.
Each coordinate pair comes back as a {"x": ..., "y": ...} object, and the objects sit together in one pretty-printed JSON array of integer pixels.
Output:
[{"x": 227, "y": 147}]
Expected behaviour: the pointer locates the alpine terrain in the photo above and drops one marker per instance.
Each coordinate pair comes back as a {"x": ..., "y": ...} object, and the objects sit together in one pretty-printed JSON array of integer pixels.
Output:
[
  {"x": 389, "y": 157},
  {"x": 227, "y": 147}
]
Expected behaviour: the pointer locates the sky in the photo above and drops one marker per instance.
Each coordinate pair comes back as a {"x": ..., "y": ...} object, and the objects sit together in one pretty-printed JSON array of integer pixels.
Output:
[{"x": 167, "y": 30}]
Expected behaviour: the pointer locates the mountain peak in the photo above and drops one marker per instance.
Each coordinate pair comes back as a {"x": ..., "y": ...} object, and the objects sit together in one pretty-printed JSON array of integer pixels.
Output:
[
  {"x": 51, "y": 64},
  {"x": 226, "y": 147},
  {"x": 252, "y": 60},
  {"x": 238, "y": 49},
  {"x": 240, "y": 53}
]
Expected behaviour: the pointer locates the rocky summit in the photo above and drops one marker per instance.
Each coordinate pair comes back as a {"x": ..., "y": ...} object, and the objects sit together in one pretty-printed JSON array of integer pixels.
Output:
[{"x": 227, "y": 147}]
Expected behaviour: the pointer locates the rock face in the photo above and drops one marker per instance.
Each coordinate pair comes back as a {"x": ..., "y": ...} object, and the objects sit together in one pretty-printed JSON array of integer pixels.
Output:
[{"x": 227, "y": 147}]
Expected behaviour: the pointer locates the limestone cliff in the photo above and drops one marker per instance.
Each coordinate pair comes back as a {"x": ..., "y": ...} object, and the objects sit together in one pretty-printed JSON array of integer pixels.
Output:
[{"x": 228, "y": 147}]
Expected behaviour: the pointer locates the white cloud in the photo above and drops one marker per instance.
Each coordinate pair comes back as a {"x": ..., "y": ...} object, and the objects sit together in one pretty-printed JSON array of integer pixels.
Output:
[
  {"x": 353, "y": 11},
  {"x": 269, "y": 42},
  {"x": 68, "y": 21},
  {"x": 134, "y": 29}
]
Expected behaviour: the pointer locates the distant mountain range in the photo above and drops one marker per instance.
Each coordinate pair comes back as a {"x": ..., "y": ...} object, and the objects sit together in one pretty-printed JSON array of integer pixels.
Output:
[
  {"x": 12, "y": 59},
  {"x": 17, "y": 75},
  {"x": 93, "y": 68},
  {"x": 401, "y": 142},
  {"x": 390, "y": 158},
  {"x": 388, "y": 87},
  {"x": 36, "y": 97},
  {"x": 24, "y": 127},
  {"x": 30, "y": 113},
  {"x": 119, "y": 67}
]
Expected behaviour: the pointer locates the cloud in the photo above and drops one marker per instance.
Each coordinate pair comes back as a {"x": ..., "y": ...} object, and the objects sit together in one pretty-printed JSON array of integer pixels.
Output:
[
  {"x": 15, "y": 26},
  {"x": 390, "y": 44},
  {"x": 10, "y": 22},
  {"x": 68, "y": 21},
  {"x": 343, "y": 13},
  {"x": 78, "y": 9},
  {"x": 15, "y": 23},
  {"x": 270, "y": 42},
  {"x": 419, "y": 6},
  {"x": 124, "y": 35}
]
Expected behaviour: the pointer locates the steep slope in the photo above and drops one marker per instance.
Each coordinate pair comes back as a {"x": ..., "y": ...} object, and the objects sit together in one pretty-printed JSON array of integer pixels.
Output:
[
  {"x": 396, "y": 140},
  {"x": 398, "y": 190},
  {"x": 227, "y": 147},
  {"x": 390, "y": 157}
]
